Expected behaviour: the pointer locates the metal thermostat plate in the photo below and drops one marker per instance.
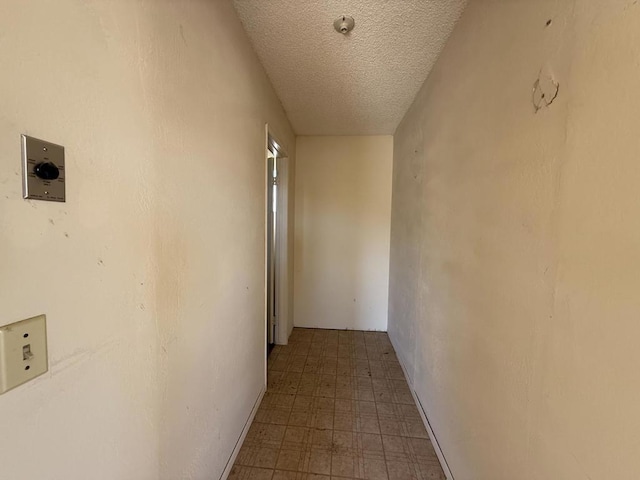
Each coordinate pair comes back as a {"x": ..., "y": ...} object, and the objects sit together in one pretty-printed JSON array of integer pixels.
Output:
[{"x": 35, "y": 153}]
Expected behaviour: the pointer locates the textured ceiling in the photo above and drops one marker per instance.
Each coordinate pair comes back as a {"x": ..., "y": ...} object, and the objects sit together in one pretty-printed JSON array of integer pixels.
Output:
[{"x": 358, "y": 84}]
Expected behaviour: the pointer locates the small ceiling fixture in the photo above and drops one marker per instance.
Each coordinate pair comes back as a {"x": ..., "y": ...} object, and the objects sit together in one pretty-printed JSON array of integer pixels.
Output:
[{"x": 344, "y": 24}]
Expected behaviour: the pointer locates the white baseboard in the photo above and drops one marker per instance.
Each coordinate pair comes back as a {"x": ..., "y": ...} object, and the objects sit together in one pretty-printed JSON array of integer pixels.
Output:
[
  {"x": 425, "y": 420},
  {"x": 243, "y": 435}
]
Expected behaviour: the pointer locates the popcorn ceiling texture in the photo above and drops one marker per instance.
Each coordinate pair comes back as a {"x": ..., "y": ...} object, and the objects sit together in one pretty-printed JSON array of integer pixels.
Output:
[{"x": 359, "y": 84}]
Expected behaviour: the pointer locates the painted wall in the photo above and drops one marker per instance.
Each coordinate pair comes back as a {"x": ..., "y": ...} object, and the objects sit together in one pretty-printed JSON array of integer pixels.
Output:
[
  {"x": 514, "y": 247},
  {"x": 343, "y": 211},
  {"x": 152, "y": 273}
]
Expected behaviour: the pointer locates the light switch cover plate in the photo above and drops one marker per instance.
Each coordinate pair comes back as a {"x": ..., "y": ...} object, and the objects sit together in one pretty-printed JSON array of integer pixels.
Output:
[{"x": 23, "y": 352}]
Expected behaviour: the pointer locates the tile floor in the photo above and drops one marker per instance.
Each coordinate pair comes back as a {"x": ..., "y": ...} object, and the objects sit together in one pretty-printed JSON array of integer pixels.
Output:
[{"x": 337, "y": 406}]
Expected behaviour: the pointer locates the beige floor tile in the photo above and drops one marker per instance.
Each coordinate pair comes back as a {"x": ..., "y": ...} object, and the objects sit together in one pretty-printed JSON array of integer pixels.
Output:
[
  {"x": 238, "y": 472},
  {"x": 415, "y": 428},
  {"x": 393, "y": 444},
  {"x": 260, "y": 474},
  {"x": 290, "y": 460},
  {"x": 344, "y": 440},
  {"x": 265, "y": 458},
  {"x": 342, "y": 466},
  {"x": 326, "y": 391},
  {"x": 301, "y": 418},
  {"x": 250, "y": 473},
  {"x": 366, "y": 408},
  {"x": 323, "y": 419},
  {"x": 319, "y": 462},
  {"x": 296, "y": 438},
  {"x": 344, "y": 421},
  {"x": 322, "y": 437},
  {"x": 283, "y": 475},
  {"x": 368, "y": 424},
  {"x": 347, "y": 392},
  {"x": 430, "y": 472},
  {"x": 344, "y": 405},
  {"x": 307, "y": 389},
  {"x": 302, "y": 402},
  {"x": 403, "y": 397},
  {"x": 401, "y": 471},
  {"x": 387, "y": 410},
  {"x": 281, "y": 400},
  {"x": 390, "y": 426},
  {"x": 408, "y": 411},
  {"x": 324, "y": 404},
  {"x": 276, "y": 414},
  {"x": 370, "y": 443},
  {"x": 375, "y": 469},
  {"x": 422, "y": 451},
  {"x": 337, "y": 407}
]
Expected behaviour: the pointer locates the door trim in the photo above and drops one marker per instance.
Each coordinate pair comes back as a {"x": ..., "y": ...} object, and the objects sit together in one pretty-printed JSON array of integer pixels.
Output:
[{"x": 283, "y": 259}]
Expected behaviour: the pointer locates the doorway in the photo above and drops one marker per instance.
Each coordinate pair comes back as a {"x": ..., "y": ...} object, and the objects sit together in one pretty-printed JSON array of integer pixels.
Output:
[{"x": 277, "y": 251}]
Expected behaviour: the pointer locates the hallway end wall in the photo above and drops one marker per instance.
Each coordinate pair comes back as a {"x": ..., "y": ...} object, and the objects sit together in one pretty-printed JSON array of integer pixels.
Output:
[
  {"x": 343, "y": 214},
  {"x": 514, "y": 277}
]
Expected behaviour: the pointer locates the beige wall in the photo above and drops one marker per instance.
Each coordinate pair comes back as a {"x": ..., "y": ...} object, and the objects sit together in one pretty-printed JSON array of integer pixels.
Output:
[
  {"x": 152, "y": 273},
  {"x": 343, "y": 211},
  {"x": 515, "y": 243}
]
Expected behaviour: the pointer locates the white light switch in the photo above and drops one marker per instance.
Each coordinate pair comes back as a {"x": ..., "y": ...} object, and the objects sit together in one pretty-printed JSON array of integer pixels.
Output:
[{"x": 23, "y": 352}]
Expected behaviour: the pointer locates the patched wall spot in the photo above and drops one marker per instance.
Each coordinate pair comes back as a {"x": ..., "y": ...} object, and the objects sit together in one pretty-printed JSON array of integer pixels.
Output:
[{"x": 545, "y": 90}]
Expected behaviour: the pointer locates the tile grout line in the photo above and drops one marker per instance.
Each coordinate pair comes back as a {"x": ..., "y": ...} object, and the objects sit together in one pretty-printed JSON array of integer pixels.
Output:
[{"x": 328, "y": 361}]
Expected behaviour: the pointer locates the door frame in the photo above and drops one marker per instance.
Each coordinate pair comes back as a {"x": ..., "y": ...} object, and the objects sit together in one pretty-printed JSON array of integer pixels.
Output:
[{"x": 282, "y": 239}]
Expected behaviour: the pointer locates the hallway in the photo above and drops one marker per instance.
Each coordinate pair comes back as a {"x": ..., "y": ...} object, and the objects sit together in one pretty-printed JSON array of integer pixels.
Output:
[
  {"x": 453, "y": 236},
  {"x": 337, "y": 406}
]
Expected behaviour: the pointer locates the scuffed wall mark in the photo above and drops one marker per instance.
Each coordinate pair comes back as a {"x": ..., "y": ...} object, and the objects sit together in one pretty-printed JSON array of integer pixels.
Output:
[
  {"x": 182, "y": 35},
  {"x": 100, "y": 262},
  {"x": 51, "y": 221},
  {"x": 82, "y": 354},
  {"x": 66, "y": 234},
  {"x": 545, "y": 90}
]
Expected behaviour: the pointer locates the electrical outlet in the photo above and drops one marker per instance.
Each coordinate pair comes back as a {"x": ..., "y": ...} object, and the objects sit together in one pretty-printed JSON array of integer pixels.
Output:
[{"x": 23, "y": 352}]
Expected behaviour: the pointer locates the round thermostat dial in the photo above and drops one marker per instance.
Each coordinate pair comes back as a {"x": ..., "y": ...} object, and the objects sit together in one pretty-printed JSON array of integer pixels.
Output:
[{"x": 47, "y": 171}]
